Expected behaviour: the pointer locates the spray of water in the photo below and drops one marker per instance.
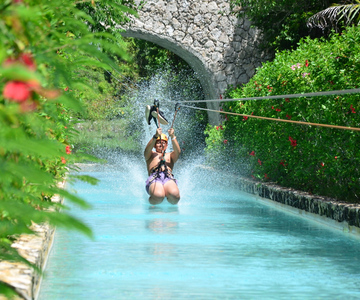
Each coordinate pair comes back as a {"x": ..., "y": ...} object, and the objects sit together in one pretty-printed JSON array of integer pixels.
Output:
[{"x": 166, "y": 86}]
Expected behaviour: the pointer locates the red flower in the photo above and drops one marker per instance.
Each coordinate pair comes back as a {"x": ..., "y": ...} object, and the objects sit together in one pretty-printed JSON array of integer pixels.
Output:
[
  {"x": 292, "y": 141},
  {"x": 252, "y": 153},
  {"x": 68, "y": 149},
  {"x": 217, "y": 127},
  {"x": 66, "y": 89},
  {"x": 221, "y": 127},
  {"x": 336, "y": 157},
  {"x": 322, "y": 164},
  {"x": 288, "y": 116},
  {"x": 266, "y": 176},
  {"x": 287, "y": 99},
  {"x": 27, "y": 59},
  {"x": 24, "y": 59},
  {"x": 17, "y": 91},
  {"x": 225, "y": 142},
  {"x": 352, "y": 109},
  {"x": 245, "y": 118},
  {"x": 272, "y": 107},
  {"x": 259, "y": 161},
  {"x": 63, "y": 160},
  {"x": 278, "y": 109},
  {"x": 306, "y": 63}
]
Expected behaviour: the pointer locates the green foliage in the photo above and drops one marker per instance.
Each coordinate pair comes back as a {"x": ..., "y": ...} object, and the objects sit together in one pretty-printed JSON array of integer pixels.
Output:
[
  {"x": 282, "y": 22},
  {"x": 315, "y": 159},
  {"x": 38, "y": 83}
]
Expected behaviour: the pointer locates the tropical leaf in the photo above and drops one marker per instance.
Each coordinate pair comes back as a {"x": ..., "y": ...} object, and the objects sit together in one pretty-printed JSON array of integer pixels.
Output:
[{"x": 332, "y": 16}]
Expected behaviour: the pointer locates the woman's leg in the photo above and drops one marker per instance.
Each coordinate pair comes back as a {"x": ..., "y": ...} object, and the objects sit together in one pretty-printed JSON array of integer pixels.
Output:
[
  {"x": 157, "y": 193},
  {"x": 172, "y": 192}
]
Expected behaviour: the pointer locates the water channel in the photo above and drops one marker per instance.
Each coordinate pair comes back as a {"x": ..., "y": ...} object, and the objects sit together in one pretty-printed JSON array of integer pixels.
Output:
[{"x": 217, "y": 243}]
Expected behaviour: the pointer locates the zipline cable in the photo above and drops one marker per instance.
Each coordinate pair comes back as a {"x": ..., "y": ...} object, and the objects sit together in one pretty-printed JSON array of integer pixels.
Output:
[
  {"x": 312, "y": 94},
  {"x": 277, "y": 120}
]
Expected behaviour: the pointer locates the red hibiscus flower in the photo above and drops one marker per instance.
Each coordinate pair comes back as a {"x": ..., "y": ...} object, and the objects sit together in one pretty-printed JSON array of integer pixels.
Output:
[{"x": 17, "y": 91}]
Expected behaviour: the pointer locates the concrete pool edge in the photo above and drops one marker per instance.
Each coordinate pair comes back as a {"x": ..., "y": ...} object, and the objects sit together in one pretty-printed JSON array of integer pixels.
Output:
[
  {"x": 36, "y": 249},
  {"x": 340, "y": 215}
]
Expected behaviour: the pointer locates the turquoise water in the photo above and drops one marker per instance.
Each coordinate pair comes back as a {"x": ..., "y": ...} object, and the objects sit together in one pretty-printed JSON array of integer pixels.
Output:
[{"x": 217, "y": 243}]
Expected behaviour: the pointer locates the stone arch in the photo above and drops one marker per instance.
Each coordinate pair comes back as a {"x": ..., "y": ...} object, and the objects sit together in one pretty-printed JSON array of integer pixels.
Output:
[{"x": 221, "y": 48}]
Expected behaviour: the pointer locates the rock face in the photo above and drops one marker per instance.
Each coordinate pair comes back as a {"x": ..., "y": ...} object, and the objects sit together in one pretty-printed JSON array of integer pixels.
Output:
[{"x": 221, "y": 48}]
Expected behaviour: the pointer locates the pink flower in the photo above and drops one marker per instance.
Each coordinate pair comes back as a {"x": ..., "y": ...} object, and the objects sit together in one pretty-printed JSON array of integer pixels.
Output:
[
  {"x": 17, "y": 91},
  {"x": 66, "y": 89},
  {"x": 225, "y": 142}
]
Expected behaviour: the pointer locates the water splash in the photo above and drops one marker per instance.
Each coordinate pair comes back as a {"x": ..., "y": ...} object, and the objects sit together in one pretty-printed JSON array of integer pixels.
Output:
[{"x": 165, "y": 86}]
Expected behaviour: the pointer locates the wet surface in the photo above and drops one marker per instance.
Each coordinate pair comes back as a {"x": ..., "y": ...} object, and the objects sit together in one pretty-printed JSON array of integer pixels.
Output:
[{"x": 217, "y": 243}]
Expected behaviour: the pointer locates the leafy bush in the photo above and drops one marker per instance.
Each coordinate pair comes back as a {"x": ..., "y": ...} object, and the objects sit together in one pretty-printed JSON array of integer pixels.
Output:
[
  {"x": 36, "y": 83},
  {"x": 282, "y": 22},
  {"x": 315, "y": 159}
]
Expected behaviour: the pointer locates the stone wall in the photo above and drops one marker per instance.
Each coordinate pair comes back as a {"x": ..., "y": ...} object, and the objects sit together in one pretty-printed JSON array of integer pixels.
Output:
[
  {"x": 345, "y": 215},
  {"x": 35, "y": 248}
]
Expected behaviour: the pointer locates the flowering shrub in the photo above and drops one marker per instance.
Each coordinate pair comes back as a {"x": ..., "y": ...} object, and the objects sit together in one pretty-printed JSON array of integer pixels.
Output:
[
  {"x": 315, "y": 159},
  {"x": 36, "y": 38}
]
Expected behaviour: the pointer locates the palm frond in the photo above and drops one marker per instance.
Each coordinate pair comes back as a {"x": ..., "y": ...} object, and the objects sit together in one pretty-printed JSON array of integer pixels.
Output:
[{"x": 331, "y": 16}]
